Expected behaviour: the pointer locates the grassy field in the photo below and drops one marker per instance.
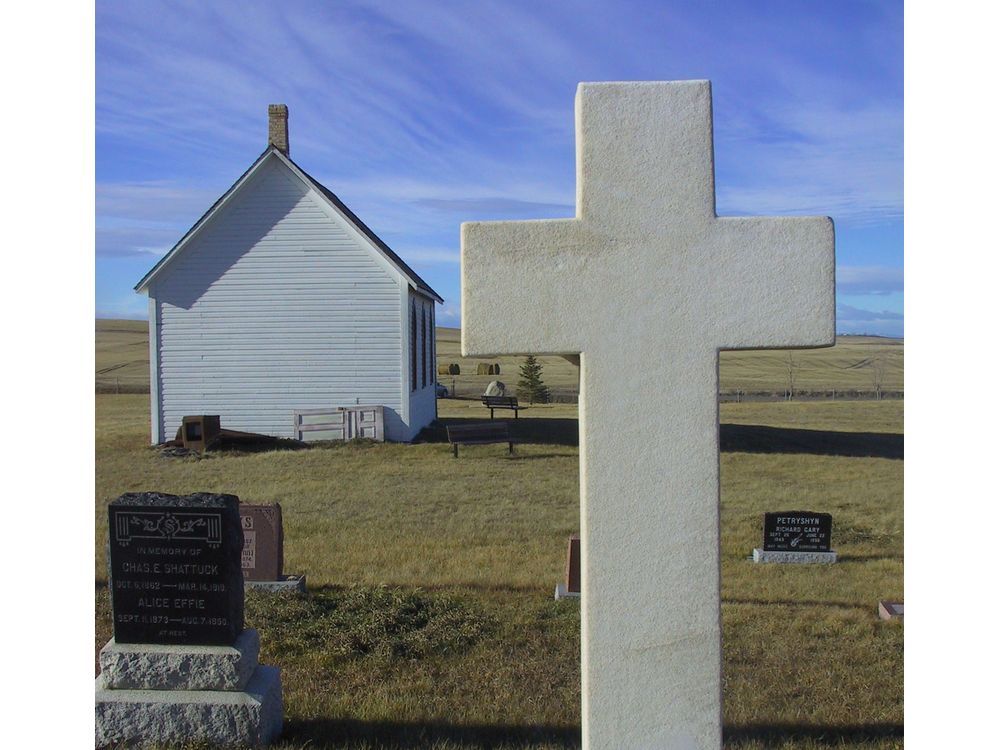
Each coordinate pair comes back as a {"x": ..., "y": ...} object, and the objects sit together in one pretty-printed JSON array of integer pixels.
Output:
[
  {"x": 849, "y": 365},
  {"x": 121, "y": 356},
  {"x": 122, "y": 363},
  {"x": 430, "y": 620}
]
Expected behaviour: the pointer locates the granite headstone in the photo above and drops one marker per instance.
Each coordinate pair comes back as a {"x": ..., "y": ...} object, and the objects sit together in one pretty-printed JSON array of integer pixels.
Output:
[
  {"x": 796, "y": 536},
  {"x": 797, "y": 531},
  {"x": 263, "y": 542},
  {"x": 573, "y": 564},
  {"x": 570, "y": 587},
  {"x": 175, "y": 571}
]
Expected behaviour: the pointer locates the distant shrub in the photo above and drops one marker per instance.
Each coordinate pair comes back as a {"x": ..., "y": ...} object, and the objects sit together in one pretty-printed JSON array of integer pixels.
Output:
[{"x": 530, "y": 386}]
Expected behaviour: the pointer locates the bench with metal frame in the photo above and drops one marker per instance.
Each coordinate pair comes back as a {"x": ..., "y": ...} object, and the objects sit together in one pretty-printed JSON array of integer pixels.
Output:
[
  {"x": 479, "y": 434},
  {"x": 501, "y": 402}
]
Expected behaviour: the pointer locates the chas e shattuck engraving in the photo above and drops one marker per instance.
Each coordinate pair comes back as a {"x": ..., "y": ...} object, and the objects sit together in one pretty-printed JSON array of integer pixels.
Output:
[{"x": 175, "y": 569}]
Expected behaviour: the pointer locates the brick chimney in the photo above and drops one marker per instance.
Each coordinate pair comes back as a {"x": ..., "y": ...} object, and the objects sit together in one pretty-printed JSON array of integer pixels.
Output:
[{"x": 277, "y": 127}]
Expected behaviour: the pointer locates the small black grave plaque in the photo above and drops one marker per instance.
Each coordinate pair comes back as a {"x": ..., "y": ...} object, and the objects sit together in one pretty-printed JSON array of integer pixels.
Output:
[
  {"x": 797, "y": 531},
  {"x": 175, "y": 568}
]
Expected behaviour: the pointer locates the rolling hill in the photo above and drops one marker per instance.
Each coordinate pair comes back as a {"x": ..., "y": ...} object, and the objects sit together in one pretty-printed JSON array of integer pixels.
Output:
[{"x": 854, "y": 364}]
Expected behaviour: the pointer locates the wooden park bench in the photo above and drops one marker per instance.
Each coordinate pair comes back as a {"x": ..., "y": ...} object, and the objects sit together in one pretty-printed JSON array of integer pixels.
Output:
[
  {"x": 479, "y": 434},
  {"x": 501, "y": 402}
]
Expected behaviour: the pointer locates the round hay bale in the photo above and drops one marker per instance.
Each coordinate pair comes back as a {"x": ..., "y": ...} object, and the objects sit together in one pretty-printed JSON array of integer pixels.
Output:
[
  {"x": 454, "y": 369},
  {"x": 444, "y": 369},
  {"x": 482, "y": 369}
]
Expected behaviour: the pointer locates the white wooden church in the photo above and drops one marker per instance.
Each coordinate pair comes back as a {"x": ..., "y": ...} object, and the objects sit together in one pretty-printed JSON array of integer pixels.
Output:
[{"x": 280, "y": 300}]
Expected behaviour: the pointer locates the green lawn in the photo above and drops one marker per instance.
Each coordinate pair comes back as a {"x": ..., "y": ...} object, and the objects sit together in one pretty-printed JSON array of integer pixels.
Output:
[{"x": 430, "y": 620}]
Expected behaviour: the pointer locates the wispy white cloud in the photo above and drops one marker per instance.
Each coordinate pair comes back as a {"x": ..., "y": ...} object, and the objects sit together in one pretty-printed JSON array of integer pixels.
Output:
[
  {"x": 877, "y": 322},
  {"x": 825, "y": 160},
  {"x": 423, "y": 115},
  {"x": 449, "y": 315},
  {"x": 128, "y": 307},
  {"x": 143, "y": 219},
  {"x": 874, "y": 280},
  {"x": 138, "y": 241},
  {"x": 846, "y": 312},
  {"x": 496, "y": 206},
  {"x": 161, "y": 201}
]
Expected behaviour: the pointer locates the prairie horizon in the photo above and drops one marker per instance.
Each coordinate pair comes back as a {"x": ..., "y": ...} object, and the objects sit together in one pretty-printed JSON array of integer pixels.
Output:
[{"x": 850, "y": 367}]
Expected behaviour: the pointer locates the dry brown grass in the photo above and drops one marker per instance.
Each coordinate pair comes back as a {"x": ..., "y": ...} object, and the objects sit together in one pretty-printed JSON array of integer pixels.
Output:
[
  {"x": 122, "y": 355},
  {"x": 851, "y": 364},
  {"x": 474, "y": 547}
]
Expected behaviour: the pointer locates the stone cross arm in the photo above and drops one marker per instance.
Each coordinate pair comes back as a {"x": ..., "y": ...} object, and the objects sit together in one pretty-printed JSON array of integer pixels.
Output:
[
  {"x": 646, "y": 245},
  {"x": 558, "y": 286}
]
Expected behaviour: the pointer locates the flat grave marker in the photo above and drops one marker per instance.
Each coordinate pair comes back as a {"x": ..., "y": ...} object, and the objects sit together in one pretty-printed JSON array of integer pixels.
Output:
[
  {"x": 798, "y": 531},
  {"x": 796, "y": 536},
  {"x": 890, "y": 610}
]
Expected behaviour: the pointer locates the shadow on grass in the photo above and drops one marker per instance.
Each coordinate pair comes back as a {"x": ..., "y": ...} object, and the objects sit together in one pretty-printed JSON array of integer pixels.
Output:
[
  {"x": 448, "y": 588},
  {"x": 541, "y": 431},
  {"x": 398, "y": 734},
  {"x": 234, "y": 445},
  {"x": 866, "y": 558},
  {"x": 778, "y": 735},
  {"x": 391, "y": 734},
  {"x": 796, "y": 603},
  {"x": 733, "y": 438},
  {"x": 740, "y": 438}
]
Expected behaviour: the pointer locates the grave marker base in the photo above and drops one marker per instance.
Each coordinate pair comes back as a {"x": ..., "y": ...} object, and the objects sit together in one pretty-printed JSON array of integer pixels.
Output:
[
  {"x": 238, "y": 701},
  {"x": 776, "y": 556},
  {"x": 149, "y": 666},
  {"x": 890, "y": 610},
  {"x": 563, "y": 593},
  {"x": 291, "y": 584}
]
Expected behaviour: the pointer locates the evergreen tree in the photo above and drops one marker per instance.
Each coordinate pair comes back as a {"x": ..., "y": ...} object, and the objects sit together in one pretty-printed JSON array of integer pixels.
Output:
[{"x": 530, "y": 386}]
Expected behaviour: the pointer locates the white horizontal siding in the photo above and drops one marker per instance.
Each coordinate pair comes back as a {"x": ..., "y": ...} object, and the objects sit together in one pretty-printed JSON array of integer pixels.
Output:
[{"x": 277, "y": 306}]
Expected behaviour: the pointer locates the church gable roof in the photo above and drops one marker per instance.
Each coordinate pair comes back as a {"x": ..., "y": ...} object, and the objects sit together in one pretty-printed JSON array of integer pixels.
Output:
[{"x": 272, "y": 152}]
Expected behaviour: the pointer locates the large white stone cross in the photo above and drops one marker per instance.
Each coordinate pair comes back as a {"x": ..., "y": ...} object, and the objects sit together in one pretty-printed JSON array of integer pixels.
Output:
[{"x": 647, "y": 284}]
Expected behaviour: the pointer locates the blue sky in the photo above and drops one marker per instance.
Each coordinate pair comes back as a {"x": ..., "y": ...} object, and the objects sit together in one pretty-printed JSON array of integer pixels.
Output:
[{"x": 422, "y": 115}]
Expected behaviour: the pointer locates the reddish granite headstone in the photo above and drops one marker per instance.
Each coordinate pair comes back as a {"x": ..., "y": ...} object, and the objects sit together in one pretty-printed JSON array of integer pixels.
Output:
[
  {"x": 573, "y": 565},
  {"x": 263, "y": 542}
]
